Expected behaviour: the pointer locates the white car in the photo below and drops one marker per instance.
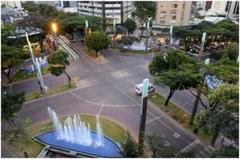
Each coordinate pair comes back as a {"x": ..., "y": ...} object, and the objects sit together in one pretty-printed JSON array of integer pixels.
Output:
[{"x": 139, "y": 88}]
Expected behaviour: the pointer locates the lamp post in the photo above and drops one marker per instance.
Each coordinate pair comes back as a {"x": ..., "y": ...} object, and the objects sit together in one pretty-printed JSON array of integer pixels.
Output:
[
  {"x": 114, "y": 26},
  {"x": 55, "y": 29},
  {"x": 143, "y": 115},
  {"x": 148, "y": 23},
  {"x": 171, "y": 31}
]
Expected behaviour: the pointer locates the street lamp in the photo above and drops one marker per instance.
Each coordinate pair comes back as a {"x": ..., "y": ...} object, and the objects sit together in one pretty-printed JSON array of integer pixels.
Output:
[
  {"x": 114, "y": 26},
  {"x": 54, "y": 29}
]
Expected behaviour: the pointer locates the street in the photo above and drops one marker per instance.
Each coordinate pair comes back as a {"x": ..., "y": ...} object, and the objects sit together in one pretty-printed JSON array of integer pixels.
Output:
[{"x": 108, "y": 89}]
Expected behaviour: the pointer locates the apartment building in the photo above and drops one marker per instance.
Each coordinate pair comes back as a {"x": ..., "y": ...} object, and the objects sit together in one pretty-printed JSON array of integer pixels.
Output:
[
  {"x": 118, "y": 10},
  {"x": 228, "y": 9},
  {"x": 176, "y": 13},
  {"x": 232, "y": 9},
  {"x": 12, "y": 4}
]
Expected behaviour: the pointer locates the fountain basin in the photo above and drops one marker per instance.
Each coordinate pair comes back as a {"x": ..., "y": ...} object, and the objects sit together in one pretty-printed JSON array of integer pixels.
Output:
[{"x": 109, "y": 150}]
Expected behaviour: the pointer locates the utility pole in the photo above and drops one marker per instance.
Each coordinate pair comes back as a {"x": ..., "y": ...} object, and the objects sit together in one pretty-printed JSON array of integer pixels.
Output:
[{"x": 143, "y": 116}]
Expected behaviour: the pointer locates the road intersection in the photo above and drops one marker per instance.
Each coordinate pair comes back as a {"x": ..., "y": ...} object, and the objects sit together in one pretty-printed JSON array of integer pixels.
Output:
[{"x": 108, "y": 89}]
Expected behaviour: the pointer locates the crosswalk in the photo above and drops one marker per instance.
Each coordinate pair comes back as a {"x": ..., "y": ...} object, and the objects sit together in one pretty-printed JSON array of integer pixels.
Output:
[{"x": 199, "y": 150}]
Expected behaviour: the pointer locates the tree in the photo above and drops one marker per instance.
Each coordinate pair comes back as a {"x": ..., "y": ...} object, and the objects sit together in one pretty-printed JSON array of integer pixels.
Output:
[
  {"x": 58, "y": 62},
  {"x": 129, "y": 146},
  {"x": 175, "y": 70},
  {"x": 226, "y": 152},
  {"x": 232, "y": 51},
  {"x": 11, "y": 104},
  {"x": 130, "y": 25},
  {"x": 128, "y": 41},
  {"x": 96, "y": 41},
  {"x": 143, "y": 11},
  {"x": 178, "y": 80},
  {"x": 221, "y": 115},
  {"x": 72, "y": 25},
  {"x": 6, "y": 30},
  {"x": 11, "y": 57},
  {"x": 225, "y": 70}
]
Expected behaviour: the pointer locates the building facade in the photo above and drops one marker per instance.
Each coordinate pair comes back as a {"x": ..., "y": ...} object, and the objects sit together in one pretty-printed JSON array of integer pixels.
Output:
[
  {"x": 118, "y": 10},
  {"x": 229, "y": 9},
  {"x": 232, "y": 9},
  {"x": 176, "y": 13},
  {"x": 12, "y": 4}
]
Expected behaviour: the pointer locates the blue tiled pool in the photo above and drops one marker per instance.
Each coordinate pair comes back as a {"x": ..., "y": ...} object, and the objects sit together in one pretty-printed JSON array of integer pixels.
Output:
[{"x": 109, "y": 150}]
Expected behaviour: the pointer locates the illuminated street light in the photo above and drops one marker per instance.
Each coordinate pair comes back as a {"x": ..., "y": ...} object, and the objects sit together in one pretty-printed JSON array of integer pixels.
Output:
[
  {"x": 54, "y": 27},
  {"x": 54, "y": 30}
]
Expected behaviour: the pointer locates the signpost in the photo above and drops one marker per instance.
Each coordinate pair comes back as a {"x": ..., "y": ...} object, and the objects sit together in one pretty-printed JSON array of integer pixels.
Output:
[{"x": 143, "y": 115}]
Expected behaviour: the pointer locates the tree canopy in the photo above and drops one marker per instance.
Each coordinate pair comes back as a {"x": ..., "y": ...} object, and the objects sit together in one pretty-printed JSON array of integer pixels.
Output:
[
  {"x": 175, "y": 70},
  {"x": 11, "y": 104},
  {"x": 232, "y": 51},
  {"x": 221, "y": 115},
  {"x": 11, "y": 57},
  {"x": 144, "y": 10},
  {"x": 130, "y": 25},
  {"x": 58, "y": 62},
  {"x": 96, "y": 41}
]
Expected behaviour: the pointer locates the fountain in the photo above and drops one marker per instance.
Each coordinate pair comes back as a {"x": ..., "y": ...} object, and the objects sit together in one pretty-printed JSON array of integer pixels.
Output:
[
  {"x": 76, "y": 136},
  {"x": 75, "y": 131}
]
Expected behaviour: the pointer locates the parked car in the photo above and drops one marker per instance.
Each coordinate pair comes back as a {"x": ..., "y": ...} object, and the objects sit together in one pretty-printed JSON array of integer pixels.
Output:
[{"x": 139, "y": 88}]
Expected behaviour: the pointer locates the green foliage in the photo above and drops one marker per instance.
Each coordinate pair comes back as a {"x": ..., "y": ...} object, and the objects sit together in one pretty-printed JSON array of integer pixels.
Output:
[
  {"x": 129, "y": 146},
  {"x": 227, "y": 97},
  {"x": 222, "y": 113},
  {"x": 58, "y": 62},
  {"x": 179, "y": 80},
  {"x": 128, "y": 40},
  {"x": 144, "y": 10},
  {"x": 11, "y": 56},
  {"x": 130, "y": 25},
  {"x": 96, "y": 41},
  {"x": 174, "y": 60},
  {"x": 11, "y": 104},
  {"x": 226, "y": 152},
  {"x": 225, "y": 70},
  {"x": 175, "y": 70},
  {"x": 6, "y": 30},
  {"x": 223, "y": 31},
  {"x": 30, "y": 6},
  {"x": 232, "y": 51},
  {"x": 72, "y": 24}
]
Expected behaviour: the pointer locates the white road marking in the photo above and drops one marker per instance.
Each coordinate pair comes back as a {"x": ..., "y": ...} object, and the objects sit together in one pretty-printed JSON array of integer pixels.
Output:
[{"x": 191, "y": 145}]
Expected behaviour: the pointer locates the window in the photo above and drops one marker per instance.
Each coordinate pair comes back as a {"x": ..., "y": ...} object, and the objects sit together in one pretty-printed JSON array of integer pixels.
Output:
[
  {"x": 174, "y": 5},
  {"x": 173, "y": 17},
  {"x": 162, "y": 21}
]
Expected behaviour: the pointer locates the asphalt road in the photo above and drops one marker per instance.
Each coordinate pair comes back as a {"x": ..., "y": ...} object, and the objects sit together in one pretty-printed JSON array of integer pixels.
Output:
[{"x": 108, "y": 89}]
